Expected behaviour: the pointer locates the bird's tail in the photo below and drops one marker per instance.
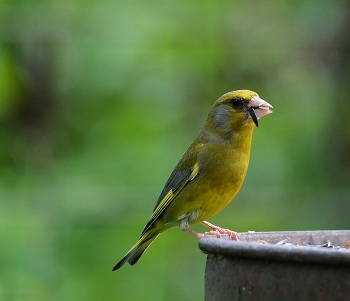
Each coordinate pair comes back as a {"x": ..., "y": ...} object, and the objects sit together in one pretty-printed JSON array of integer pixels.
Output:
[{"x": 138, "y": 249}]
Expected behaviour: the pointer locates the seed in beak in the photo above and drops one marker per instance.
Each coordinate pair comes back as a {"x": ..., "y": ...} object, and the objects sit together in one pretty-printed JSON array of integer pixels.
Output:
[{"x": 253, "y": 115}]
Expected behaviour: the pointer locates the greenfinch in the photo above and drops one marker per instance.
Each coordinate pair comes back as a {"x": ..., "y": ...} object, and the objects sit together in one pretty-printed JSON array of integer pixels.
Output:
[{"x": 210, "y": 172}]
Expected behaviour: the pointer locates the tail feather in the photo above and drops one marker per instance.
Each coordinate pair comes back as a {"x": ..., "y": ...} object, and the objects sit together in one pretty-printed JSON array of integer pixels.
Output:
[{"x": 137, "y": 250}]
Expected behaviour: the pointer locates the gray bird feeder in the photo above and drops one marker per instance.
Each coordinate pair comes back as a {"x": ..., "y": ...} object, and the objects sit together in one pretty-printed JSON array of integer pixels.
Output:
[{"x": 303, "y": 266}]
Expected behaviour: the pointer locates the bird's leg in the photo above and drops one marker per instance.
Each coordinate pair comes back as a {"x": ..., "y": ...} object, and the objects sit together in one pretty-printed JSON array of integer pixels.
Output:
[
  {"x": 198, "y": 235},
  {"x": 218, "y": 231},
  {"x": 185, "y": 227}
]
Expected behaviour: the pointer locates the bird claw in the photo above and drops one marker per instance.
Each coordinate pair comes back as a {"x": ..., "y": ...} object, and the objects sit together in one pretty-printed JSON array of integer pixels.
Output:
[
  {"x": 232, "y": 234},
  {"x": 218, "y": 232},
  {"x": 213, "y": 232}
]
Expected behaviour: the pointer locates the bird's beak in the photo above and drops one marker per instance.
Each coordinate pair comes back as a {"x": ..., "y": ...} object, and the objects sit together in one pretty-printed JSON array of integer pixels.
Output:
[{"x": 257, "y": 108}]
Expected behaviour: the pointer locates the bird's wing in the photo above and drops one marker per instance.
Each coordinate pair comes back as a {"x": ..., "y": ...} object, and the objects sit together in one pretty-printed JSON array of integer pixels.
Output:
[{"x": 176, "y": 182}]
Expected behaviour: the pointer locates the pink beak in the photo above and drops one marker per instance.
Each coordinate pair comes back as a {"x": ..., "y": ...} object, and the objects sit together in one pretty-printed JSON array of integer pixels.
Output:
[{"x": 258, "y": 108}]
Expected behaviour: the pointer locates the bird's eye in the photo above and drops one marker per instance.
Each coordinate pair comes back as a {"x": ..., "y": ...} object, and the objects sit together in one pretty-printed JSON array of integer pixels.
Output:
[{"x": 236, "y": 102}]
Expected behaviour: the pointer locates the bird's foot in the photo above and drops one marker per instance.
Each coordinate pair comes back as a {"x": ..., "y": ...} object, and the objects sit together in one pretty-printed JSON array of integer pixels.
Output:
[{"x": 217, "y": 231}]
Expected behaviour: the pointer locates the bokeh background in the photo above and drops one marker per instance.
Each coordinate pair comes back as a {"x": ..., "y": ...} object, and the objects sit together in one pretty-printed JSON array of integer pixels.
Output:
[{"x": 98, "y": 101}]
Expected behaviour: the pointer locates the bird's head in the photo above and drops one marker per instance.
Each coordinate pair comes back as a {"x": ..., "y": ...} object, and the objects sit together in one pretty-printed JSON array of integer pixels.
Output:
[{"x": 236, "y": 109}]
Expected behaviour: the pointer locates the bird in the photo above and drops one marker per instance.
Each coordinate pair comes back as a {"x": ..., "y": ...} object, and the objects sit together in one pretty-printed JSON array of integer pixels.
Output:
[{"x": 209, "y": 174}]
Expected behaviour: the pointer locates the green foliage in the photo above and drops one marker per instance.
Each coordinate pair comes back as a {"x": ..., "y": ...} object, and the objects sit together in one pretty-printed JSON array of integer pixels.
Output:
[{"x": 99, "y": 100}]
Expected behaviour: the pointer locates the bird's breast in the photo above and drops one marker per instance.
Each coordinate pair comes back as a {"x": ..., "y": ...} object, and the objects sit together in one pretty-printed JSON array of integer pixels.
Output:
[
  {"x": 221, "y": 183},
  {"x": 221, "y": 174}
]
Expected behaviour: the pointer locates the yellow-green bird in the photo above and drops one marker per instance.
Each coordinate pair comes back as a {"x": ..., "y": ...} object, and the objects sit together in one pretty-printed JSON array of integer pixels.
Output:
[{"x": 210, "y": 172}]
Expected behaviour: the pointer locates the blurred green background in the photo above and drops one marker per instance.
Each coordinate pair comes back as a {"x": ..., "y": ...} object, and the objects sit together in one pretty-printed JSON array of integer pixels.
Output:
[{"x": 98, "y": 101}]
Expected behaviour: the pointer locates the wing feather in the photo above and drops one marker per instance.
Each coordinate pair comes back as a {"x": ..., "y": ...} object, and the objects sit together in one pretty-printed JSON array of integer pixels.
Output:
[{"x": 176, "y": 182}]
